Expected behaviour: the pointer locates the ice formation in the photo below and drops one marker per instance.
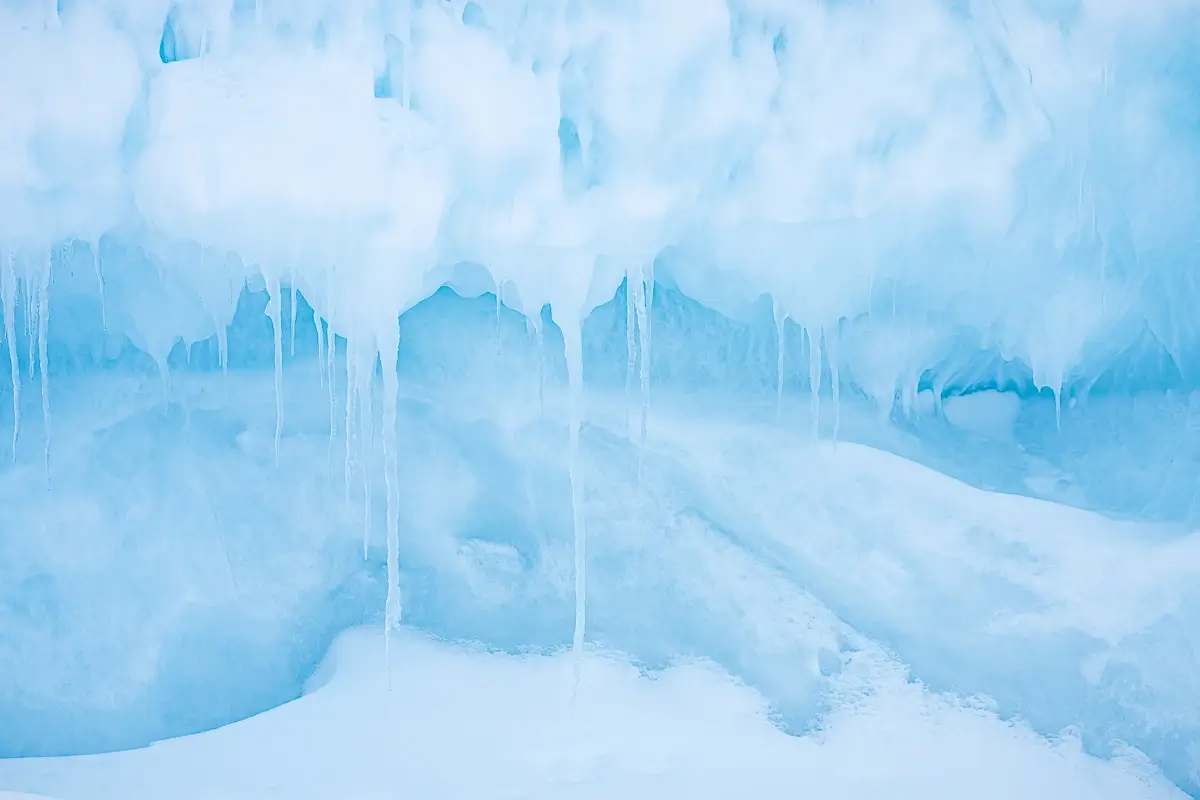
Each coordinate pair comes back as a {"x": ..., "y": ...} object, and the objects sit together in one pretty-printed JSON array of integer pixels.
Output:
[{"x": 936, "y": 196}]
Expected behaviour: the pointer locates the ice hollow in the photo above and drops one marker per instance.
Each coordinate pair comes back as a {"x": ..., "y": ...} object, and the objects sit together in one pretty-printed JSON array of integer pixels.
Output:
[{"x": 408, "y": 306}]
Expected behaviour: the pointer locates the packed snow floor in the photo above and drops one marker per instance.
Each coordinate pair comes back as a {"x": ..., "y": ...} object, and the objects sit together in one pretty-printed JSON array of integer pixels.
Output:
[{"x": 463, "y": 723}]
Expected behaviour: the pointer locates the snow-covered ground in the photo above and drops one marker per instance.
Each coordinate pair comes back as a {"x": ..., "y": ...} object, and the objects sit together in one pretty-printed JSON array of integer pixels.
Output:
[{"x": 461, "y": 722}]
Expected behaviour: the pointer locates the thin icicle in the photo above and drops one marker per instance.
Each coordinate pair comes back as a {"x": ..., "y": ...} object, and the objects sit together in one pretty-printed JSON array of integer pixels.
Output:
[
  {"x": 643, "y": 301},
  {"x": 31, "y": 321},
  {"x": 8, "y": 293},
  {"x": 393, "y": 610},
  {"x": 499, "y": 301},
  {"x": 330, "y": 364},
  {"x": 222, "y": 349},
  {"x": 831, "y": 343},
  {"x": 351, "y": 395},
  {"x": 814, "y": 378},
  {"x": 320, "y": 349},
  {"x": 630, "y": 346},
  {"x": 366, "y": 418},
  {"x": 780, "y": 319},
  {"x": 292, "y": 351},
  {"x": 95, "y": 248},
  {"x": 275, "y": 306},
  {"x": 573, "y": 349},
  {"x": 43, "y": 365},
  {"x": 541, "y": 365}
]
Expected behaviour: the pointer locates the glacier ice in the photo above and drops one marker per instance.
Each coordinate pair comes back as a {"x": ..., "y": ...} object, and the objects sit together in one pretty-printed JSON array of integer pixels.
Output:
[{"x": 254, "y": 258}]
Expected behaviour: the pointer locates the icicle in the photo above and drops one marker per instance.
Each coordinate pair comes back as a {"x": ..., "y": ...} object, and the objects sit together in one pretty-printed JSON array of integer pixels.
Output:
[
  {"x": 331, "y": 365},
  {"x": 366, "y": 419},
  {"x": 292, "y": 352},
  {"x": 1057, "y": 389},
  {"x": 831, "y": 343},
  {"x": 31, "y": 321},
  {"x": 541, "y": 365},
  {"x": 95, "y": 247},
  {"x": 320, "y": 349},
  {"x": 814, "y": 378},
  {"x": 780, "y": 319},
  {"x": 351, "y": 393},
  {"x": 573, "y": 349},
  {"x": 499, "y": 300},
  {"x": 43, "y": 318},
  {"x": 389, "y": 351},
  {"x": 643, "y": 300},
  {"x": 275, "y": 307},
  {"x": 8, "y": 293},
  {"x": 630, "y": 347}
]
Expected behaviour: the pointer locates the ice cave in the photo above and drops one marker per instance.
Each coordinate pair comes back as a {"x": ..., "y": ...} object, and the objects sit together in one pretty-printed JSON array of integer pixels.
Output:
[{"x": 599, "y": 399}]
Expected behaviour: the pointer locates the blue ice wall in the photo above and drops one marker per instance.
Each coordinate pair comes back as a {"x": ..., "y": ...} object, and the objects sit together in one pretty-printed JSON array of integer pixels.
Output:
[{"x": 957, "y": 239}]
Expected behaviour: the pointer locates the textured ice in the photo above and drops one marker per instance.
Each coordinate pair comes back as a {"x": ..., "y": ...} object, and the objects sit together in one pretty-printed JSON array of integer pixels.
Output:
[{"x": 761, "y": 331}]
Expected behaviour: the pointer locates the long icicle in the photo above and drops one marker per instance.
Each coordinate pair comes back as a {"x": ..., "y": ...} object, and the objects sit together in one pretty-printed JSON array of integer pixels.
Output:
[
  {"x": 499, "y": 301},
  {"x": 644, "y": 302},
  {"x": 780, "y": 319},
  {"x": 320, "y": 348},
  {"x": 389, "y": 351},
  {"x": 539, "y": 342},
  {"x": 8, "y": 293},
  {"x": 31, "y": 327},
  {"x": 351, "y": 397},
  {"x": 292, "y": 332},
  {"x": 573, "y": 350},
  {"x": 831, "y": 344},
  {"x": 630, "y": 334},
  {"x": 95, "y": 248},
  {"x": 275, "y": 305},
  {"x": 43, "y": 322},
  {"x": 366, "y": 418},
  {"x": 814, "y": 378}
]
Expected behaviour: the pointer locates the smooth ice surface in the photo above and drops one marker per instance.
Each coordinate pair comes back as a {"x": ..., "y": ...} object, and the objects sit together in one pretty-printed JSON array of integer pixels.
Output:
[
  {"x": 767, "y": 333},
  {"x": 465, "y": 723}
]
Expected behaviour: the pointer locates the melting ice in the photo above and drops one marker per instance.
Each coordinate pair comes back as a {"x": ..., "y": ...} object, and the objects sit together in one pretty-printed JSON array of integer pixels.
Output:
[{"x": 844, "y": 352}]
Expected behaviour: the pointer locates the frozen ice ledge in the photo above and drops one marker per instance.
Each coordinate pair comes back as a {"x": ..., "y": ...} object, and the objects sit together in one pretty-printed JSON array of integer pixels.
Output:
[{"x": 887, "y": 207}]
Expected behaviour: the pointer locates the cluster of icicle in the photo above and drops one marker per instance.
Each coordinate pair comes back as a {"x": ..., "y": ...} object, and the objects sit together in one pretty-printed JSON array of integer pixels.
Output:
[{"x": 972, "y": 160}]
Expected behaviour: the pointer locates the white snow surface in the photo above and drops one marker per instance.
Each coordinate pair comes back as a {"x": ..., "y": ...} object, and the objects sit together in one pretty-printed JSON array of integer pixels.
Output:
[{"x": 460, "y": 722}]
